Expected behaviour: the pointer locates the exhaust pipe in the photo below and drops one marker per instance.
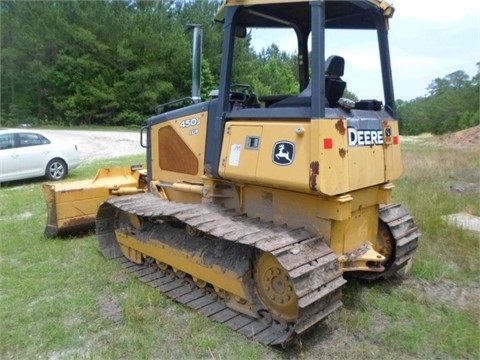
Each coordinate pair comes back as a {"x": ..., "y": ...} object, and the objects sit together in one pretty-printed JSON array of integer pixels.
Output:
[{"x": 196, "y": 61}]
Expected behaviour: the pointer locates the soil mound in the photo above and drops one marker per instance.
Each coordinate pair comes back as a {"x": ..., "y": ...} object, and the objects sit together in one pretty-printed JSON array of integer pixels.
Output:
[{"x": 464, "y": 139}]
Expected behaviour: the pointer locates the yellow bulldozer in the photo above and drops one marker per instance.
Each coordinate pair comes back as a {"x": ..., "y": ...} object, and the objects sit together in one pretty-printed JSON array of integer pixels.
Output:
[{"x": 255, "y": 211}]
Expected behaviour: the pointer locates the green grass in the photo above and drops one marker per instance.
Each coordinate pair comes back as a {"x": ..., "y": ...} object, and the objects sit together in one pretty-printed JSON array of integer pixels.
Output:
[
  {"x": 55, "y": 294},
  {"x": 425, "y": 189},
  {"x": 89, "y": 168}
]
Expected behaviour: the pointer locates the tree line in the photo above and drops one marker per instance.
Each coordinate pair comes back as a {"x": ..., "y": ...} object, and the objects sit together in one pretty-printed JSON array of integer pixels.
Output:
[
  {"x": 452, "y": 103},
  {"x": 112, "y": 62}
]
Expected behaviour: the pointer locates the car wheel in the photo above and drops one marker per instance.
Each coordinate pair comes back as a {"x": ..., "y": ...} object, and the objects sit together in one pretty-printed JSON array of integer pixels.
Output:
[{"x": 56, "y": 169}]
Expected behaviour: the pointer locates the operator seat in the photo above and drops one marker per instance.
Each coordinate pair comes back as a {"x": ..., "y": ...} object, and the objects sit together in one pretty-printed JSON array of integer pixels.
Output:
[{"x": 334, "y": 85}]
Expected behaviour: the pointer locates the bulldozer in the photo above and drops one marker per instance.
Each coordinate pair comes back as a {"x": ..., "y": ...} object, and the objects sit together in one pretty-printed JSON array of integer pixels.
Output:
[{"x": 256, "y": 211}]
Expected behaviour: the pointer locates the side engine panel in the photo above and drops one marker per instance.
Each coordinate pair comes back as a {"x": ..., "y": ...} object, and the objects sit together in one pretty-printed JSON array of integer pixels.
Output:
[
  {"x": 270, "y": 153},
  {"x": 178, "y": 151},
  {"x": 328, "y": 156}
]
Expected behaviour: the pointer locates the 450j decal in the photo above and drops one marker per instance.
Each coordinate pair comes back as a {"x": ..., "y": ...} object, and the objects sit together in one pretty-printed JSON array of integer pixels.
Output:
[
  {"x": 185, "y": 124},
  {"x": 189, "y": 123}
]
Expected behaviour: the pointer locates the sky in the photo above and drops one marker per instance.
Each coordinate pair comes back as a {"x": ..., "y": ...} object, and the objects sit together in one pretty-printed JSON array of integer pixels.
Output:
[{"x": 428, "y": 39}]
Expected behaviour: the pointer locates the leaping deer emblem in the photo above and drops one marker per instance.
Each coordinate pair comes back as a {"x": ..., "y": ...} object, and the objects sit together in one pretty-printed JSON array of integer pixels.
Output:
[{"x": 282, "y": 154}]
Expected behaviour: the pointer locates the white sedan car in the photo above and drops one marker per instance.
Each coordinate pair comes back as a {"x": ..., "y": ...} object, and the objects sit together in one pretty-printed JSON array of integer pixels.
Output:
[{"x": 28, "y": 153}]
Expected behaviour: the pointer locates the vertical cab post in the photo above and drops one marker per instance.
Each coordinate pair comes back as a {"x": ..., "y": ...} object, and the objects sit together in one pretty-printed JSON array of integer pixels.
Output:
[
  {"x": 318, "y": 59},
  {"x": 216, "y": 126},
  {"x": 382, "y": 34}
]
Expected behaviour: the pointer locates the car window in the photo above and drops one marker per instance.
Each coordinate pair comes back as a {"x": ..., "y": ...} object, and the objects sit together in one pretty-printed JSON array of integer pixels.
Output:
[
  {"x": 7, "y": 141},
  {"x": 29, "y": 139}
]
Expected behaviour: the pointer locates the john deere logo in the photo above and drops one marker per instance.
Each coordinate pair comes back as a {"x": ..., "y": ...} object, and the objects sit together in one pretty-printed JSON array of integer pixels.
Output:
[
  {"x": 283, "y": 153},
  {"x": 357, "y": 137}
]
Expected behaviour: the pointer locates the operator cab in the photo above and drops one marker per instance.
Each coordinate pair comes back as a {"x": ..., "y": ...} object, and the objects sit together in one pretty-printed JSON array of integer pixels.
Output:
[{"x": 319, "y": 77}]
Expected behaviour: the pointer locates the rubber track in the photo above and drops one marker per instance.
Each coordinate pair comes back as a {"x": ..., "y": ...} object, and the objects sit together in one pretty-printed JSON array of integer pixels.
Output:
[{"x": 311, "y": 264}]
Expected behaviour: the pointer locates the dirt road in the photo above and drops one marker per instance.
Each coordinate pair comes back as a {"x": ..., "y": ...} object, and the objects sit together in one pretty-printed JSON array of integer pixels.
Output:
[{"x": 94, "y": 145}]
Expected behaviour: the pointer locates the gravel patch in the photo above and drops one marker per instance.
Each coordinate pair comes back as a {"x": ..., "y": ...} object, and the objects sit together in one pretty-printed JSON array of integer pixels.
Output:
[{"x": 93, "y": 145}]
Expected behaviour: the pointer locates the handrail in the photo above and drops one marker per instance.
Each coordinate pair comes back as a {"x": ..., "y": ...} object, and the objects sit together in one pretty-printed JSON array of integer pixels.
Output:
[{"x": 173, "y": 102}]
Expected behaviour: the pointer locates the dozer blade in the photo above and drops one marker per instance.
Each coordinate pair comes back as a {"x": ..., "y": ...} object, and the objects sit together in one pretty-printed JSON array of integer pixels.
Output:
[{"x": 72, "y": 206}]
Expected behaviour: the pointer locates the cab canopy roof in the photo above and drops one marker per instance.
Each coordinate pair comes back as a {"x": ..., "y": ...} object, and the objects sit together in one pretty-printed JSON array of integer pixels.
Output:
[{"x": 353, "y": 14}]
